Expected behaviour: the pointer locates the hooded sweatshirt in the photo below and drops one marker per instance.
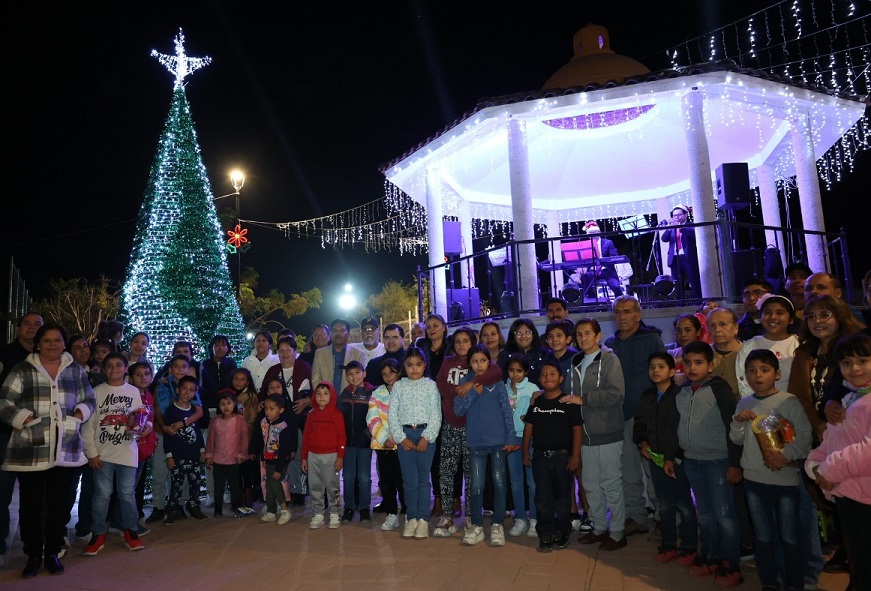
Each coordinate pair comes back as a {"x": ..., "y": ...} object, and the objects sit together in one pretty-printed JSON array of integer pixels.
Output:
[
  {"x": 489, "y": 420},
  {"x": 601, "y": 387},
  {"x": 325, "y": 427},
  {"x": 706, "y": 410},
  {"x": 633, "y": 353},
  {"x": 354, "y": 404}
]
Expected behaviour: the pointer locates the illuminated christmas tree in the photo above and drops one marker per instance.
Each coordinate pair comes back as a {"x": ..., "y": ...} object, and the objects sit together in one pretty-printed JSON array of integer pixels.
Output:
[{"x": 178, "y": 285}]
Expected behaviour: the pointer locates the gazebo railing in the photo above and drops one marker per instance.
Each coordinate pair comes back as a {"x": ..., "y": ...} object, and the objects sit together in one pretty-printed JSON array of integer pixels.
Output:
[{"x": 487, "y": 283}]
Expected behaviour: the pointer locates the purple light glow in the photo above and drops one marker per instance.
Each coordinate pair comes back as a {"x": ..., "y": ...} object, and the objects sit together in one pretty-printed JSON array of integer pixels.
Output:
[{"x": 597, "y": 120}]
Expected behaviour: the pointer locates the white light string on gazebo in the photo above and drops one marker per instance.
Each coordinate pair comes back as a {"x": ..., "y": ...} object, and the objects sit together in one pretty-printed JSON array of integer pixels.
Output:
[{"x": 772, "y": 38}]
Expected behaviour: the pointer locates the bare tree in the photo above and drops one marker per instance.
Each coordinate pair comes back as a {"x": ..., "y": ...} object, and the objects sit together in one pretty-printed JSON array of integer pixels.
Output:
[{"x": 80, "y": 305}]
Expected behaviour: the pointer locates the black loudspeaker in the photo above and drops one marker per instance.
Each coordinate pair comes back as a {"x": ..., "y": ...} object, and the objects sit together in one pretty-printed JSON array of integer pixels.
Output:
[
  {"x": 746, "y": 264},
  {"x": 453, "y": 238},
  {"x": 464, "y": 303},
  {"x": 733, "y": 185}
]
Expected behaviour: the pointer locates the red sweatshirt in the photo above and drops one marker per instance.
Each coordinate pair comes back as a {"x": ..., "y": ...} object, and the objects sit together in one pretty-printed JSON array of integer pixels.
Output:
[{"x": 324, "y": 428}]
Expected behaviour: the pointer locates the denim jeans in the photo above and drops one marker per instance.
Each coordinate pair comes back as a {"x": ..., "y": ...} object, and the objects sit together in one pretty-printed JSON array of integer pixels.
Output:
[
  {"x": 775, "y": 514},
  {"x": 633, "y": 476},
  {"x": 675, "y": 498},
  {"x": 478, "y": 459},
  {"x": 296, "y": 480},
  {"x": 357, "y": 469},
  {"x": 86, "y": 502},
  {"x": 7, "y": 486},
  {"x": 718, "y": 522},
  {"x": 416, "y": 468},
  {"x": 553, "y": 493},
  {"x": 516, "y": 471},
  {"x": 810, "y": 535},
  {"x": 104, "y": 482}
]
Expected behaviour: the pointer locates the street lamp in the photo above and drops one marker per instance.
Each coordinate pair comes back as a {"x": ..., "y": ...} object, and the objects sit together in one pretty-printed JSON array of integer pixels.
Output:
[
  {"x": 347, "y": 301},
  {"x": 237, "y": 179}
]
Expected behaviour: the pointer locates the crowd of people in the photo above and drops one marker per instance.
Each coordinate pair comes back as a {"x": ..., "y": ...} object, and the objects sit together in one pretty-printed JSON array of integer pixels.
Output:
[{"x": 561, "y": 431}]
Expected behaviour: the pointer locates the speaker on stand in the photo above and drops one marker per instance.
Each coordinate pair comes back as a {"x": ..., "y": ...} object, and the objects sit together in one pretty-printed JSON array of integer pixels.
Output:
[{"x": 733, "y": 192}]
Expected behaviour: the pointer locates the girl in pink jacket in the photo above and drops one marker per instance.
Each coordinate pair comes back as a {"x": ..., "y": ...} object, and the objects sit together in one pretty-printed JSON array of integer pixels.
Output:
[{"x": 841, "y": 465}]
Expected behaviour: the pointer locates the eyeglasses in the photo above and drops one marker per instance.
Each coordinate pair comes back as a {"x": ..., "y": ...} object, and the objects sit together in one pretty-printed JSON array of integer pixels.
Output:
[
  {"x": 824, "y": 315},
  {"x": 523, "y": 333},
  {"x": 370, "y": 329},
  {"x": 756, "y": 293}
]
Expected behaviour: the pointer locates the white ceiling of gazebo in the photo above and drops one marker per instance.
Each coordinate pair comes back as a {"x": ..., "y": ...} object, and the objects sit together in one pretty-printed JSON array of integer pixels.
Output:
[{"x": 620, "y": 168}]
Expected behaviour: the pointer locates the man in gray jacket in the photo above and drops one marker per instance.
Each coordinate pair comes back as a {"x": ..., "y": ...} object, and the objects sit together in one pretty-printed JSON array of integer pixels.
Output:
[{"x": 633, "y": 343}]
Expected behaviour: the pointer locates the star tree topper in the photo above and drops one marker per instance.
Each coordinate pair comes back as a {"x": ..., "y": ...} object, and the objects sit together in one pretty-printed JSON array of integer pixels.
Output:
[{"x": 180, "y": 64}]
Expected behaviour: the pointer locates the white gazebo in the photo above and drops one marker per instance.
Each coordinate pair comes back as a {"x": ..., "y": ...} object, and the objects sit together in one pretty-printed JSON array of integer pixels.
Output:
[{"x": 609, "y": 149}]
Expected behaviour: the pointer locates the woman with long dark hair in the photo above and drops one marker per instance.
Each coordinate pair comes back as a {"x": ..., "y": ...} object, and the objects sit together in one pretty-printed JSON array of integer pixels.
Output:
[{"x": 523, "y": 338}]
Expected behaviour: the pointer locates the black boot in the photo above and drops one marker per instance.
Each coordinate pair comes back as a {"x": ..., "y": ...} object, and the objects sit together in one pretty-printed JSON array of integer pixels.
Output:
[
  {"x": 31, "y": 569},
  {"x": 53, "y": 565}
]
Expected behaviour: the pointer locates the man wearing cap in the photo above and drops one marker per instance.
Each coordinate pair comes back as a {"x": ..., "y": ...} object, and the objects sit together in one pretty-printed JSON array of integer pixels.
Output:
[
  {"x": 329, "y": 361},
  {"x": 371, "y": 345},
  {"x": 602, "y": 247},
  {"x": 682, "y": 257},
  {"x": 796, "y": 275}
]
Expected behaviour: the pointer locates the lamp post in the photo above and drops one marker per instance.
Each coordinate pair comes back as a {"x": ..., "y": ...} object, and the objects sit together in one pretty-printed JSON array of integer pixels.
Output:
[{"x": 237, "y": 179}]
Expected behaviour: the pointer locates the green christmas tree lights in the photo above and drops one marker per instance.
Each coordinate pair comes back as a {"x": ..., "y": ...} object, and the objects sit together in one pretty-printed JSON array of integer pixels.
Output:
[{"x": 178, "y": 285}]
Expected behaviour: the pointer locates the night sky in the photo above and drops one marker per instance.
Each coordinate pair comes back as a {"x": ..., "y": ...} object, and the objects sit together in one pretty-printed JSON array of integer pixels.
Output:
[{"x": 307, "y": 101}]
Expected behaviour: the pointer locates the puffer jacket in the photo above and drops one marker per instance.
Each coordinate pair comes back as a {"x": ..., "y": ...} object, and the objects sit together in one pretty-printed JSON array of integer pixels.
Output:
[{"x": 54, "y": 438}]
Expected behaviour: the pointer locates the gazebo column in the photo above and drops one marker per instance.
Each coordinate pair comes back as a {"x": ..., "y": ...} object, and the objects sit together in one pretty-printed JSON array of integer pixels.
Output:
[
  {"x": 702, "y": 193},
  {"x": 809, "y": 191},
  {"x": 554, "y": 227},
  {"x": 770, "y": 207},
  {"x": 467, "y": 266},
  {"x": 436, "y": 238},
  {"x": 521, "y": 209}
]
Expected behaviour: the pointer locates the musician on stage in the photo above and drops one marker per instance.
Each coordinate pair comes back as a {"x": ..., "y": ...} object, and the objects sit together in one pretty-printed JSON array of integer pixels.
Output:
[
  {"x": 602, "y": 247},
  {"x": 682, "y": 257}
]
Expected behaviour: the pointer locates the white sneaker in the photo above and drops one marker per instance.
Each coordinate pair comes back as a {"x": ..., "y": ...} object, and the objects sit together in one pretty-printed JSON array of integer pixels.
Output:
[
  {"x": 335, "y": 521},
  {"x": 316, "y": 522},
  {"x": 473, "y": 535},
  {"x": 268, "y": 517},
  {"x": 519, "y": 528},
  {"x": 284, "y": 517},
  {"x": 445, "y": 528},
  {"x": 421, "y": 532},
  {"x": 410, "y": 527},
  {"x": 391, "y": 523},
  {"x": 531, "y": 532},
  {"x": 497, "y": 535}
]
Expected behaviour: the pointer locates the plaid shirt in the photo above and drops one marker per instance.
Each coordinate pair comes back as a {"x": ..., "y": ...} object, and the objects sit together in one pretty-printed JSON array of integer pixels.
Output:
[{"x": 54, "y": 438}]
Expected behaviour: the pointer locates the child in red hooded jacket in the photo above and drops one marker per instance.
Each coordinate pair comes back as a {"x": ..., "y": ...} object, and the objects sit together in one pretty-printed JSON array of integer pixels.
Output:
[{"x": 323, "y": 452}]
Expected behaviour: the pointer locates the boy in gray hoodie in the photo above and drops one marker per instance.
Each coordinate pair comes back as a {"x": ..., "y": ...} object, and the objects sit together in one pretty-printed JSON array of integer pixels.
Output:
[{"x": 712, "y": 462}]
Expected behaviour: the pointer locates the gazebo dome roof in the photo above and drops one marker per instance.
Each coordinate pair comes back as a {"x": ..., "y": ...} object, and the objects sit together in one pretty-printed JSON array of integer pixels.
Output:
[{"x": 594, "y": 62}]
